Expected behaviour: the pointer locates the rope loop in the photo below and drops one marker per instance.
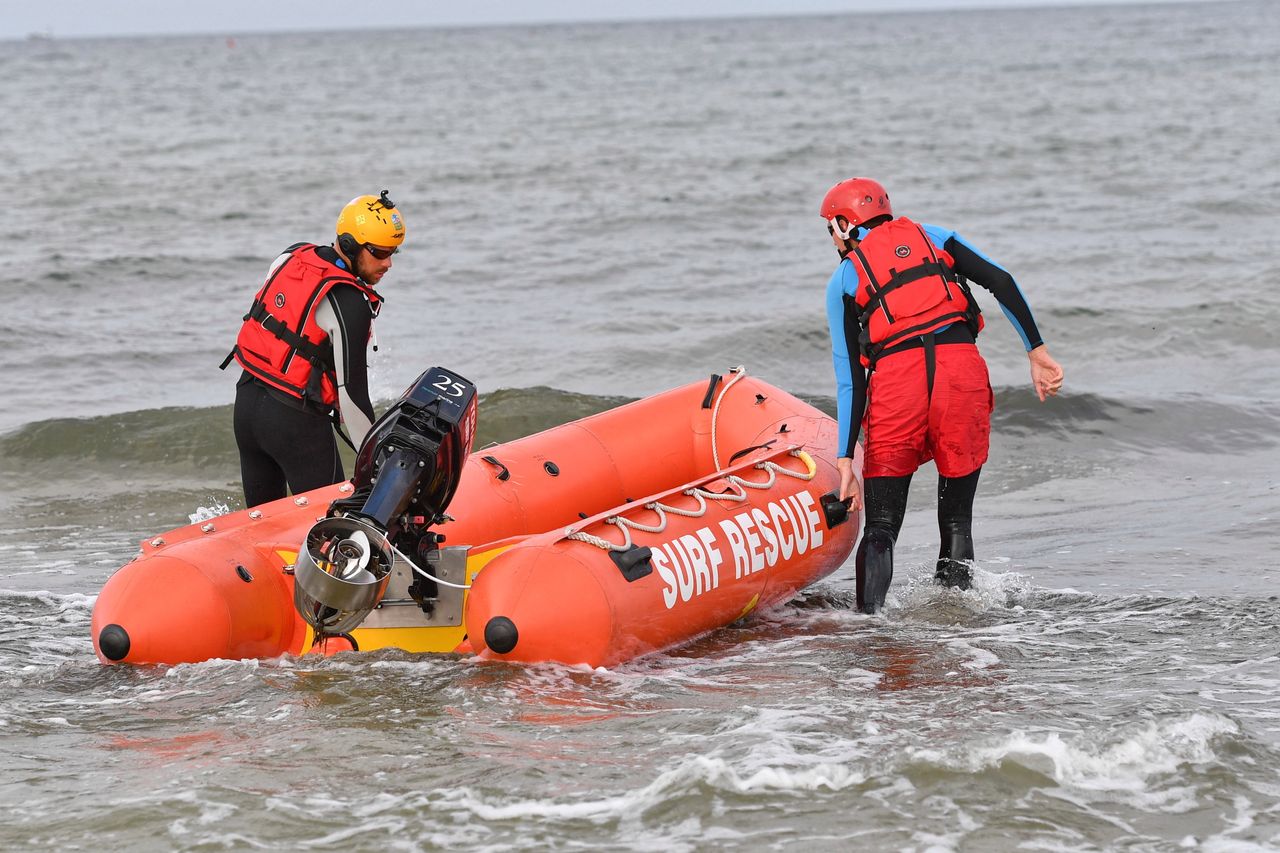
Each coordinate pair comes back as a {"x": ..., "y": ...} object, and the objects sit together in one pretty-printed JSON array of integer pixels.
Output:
[
  {"x": 647, "y": 528},
  {"x": 768, "y": 484},
  {"x": 701, "y": 495},
  {"x": 690, "y": 513},
  {"x": 799, "y": 454},
  {"x": 602, "y": 544},
  {"x": 738, "y": 372},
  {"x": 738, "y": 497}
]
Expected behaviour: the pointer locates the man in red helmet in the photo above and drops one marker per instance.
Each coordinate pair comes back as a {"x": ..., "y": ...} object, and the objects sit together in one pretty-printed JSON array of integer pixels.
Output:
[{"x": 903, "y": 324}]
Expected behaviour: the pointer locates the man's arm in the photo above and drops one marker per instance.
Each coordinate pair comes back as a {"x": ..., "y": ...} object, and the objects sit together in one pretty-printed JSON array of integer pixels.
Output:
[
  {"x": 1046, "y": 374},
  {"x": 345, "y": 316},
  {"x": 989, "y": 275},
  {"x": 851, "y": 378}
]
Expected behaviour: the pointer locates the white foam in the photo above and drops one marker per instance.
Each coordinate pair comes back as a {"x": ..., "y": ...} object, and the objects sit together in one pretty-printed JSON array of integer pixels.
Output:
[
  {"x": 979, "y": 658},
  {"x": 62, "y": 601},
  {"x": 391, "y": 826},
  {"x": 1131, "y": 764},
  {"x": 1233, "y": 845},
  {"x": 932, "y": 842},
  {"x": 206, "y": 513},
  {"x": 692, "y": 772},
  {"x": 420, "y": 665},
  {"x": 989, "y": 591},
  {"x": 51, "y": 569}
]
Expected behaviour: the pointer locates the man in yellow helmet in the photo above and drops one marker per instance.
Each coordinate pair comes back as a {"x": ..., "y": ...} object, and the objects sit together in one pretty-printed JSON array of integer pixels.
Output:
[{"x": 303, "y": 347}]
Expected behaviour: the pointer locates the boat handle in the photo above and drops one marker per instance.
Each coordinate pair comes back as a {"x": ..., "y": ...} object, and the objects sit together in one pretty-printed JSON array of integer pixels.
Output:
[{"x": 503, "y": 473}]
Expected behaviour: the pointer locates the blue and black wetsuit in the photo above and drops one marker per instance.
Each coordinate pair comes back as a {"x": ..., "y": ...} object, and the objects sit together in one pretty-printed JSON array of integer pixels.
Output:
[
  {"x": 885, "y": 497},
  {"x": 851, "y": 377}
]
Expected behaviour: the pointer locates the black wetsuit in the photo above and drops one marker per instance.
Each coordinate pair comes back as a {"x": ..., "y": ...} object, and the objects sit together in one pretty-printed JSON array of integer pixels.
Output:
[{"x": 287, "y": 445}]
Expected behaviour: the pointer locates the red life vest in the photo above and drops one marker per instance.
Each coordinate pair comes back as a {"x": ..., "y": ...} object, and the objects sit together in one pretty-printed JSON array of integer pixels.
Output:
[
  {"x": 906, "y": 288},
  {"x": 280, "y": 342}
]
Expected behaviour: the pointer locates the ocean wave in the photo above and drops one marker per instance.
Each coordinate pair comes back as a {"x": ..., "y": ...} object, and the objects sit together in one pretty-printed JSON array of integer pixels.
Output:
[
  {"x": 691, "y": 776},
  {"x": 184, "y": 436},
  {"x": 200, "y": 438},
  {"x": 1133, "y": 762},
  {"x": 1182, "y": 422}
]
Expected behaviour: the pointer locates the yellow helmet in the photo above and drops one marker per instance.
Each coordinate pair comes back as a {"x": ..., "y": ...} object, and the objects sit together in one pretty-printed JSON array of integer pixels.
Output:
[{"x": 369, "y": 219}]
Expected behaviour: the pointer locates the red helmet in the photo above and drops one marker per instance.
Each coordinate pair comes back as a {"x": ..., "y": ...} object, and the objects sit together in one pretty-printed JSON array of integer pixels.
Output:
[{"x": 857, "y": 200}]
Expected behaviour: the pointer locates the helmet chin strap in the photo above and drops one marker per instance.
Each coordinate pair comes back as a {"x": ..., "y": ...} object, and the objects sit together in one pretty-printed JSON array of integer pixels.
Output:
[
  {"x": 843, "y": 233},
  {"x": 849, "y": 234}
]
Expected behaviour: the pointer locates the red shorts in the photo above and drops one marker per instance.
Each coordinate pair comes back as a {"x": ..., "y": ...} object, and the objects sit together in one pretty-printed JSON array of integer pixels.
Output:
[{"x": 904, "y": 428}]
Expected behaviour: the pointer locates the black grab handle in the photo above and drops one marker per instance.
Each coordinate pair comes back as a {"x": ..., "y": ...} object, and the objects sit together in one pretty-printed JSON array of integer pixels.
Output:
[{"x": 503, "y": 473}]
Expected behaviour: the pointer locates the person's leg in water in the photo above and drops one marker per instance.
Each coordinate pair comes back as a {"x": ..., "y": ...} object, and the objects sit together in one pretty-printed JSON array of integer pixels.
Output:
[
  {"x": 955, "y": 529},
  {"x": 885, "y": 505}
]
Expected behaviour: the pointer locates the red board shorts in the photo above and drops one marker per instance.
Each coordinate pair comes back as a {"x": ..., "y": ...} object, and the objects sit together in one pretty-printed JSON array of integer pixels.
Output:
[{"x": 904, "y": 428}]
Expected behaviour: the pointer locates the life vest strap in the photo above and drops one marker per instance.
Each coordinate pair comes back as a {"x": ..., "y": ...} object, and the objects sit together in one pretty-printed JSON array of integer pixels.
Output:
[
  {"x": 899, "y": 279},
  {"x": 338, "y": 428},
  {"x": 309, "y": 349},
  {"x": 873, "y": 287},
  {"x": 973, "y": 314},
  {"x": 313, "y": 392},
  {"x": 930, "y": 362},
  {"x": 873, "y": 350},
  {"x": 269, "y": 380}
]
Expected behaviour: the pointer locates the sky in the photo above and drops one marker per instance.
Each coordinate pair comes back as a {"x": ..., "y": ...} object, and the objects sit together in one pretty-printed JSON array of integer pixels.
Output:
[{"x": 68, "y": 18}]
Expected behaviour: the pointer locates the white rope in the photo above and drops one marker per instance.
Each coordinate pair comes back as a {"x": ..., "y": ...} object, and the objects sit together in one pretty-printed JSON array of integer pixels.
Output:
[
  {"x": 690, "y": 513},
  {"x": 626, "y": 525},
  {"x": 427, "y": 574},
  {"x": 602, "y": 544},
  {"x": 739, "y": 496},
  {"x": 773, "y": 478},
  {"x": 739, "y": 372},
  {"x": 774, "y": 470},
  {"x": 806, "y": 476}
]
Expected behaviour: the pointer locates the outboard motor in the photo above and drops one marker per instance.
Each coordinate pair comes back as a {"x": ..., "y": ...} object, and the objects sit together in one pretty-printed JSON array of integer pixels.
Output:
[{"x": 407, "y": 471}]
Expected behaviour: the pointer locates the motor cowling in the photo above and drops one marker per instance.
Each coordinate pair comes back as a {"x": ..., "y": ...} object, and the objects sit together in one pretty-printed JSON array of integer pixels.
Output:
[{"x": 407, "y": 470}]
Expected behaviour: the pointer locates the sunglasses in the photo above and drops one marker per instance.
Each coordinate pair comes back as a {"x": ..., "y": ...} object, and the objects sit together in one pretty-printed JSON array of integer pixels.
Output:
[{"x": 379, "y": 252}]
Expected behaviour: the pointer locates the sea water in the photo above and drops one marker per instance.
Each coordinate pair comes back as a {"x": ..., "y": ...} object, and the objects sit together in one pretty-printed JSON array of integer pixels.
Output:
[{"x": 597, "y": 213}]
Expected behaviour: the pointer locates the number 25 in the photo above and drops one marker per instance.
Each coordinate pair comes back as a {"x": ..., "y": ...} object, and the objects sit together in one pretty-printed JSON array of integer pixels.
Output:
[{"x": 446, "y": 385}]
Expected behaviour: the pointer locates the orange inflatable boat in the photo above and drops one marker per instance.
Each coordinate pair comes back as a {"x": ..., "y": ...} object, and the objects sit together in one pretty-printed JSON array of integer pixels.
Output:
[{"x": 621, "y": 534}]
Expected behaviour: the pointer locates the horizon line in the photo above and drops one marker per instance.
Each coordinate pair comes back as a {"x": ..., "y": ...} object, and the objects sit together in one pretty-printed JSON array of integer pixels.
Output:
[{"x": 50, "y": 35}]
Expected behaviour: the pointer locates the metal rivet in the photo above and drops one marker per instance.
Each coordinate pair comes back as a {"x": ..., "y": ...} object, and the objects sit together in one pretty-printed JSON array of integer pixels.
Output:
[
  {"x": 207, "y": 528},
  {"x": 257, "y": 513},
  {"x": 157, "y": 542},
  {"x": 302, "y": 501},
  {"x": 345, "y": 487}
]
